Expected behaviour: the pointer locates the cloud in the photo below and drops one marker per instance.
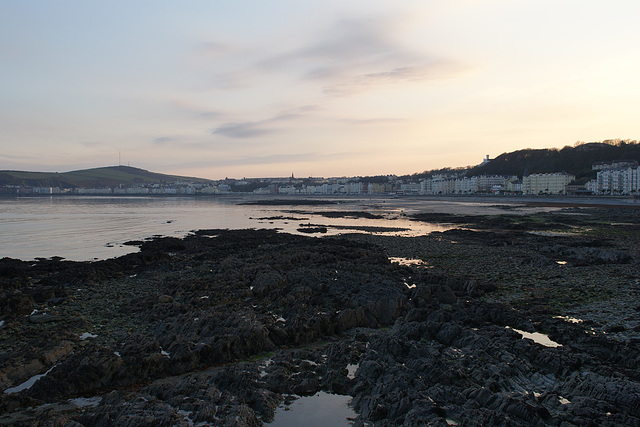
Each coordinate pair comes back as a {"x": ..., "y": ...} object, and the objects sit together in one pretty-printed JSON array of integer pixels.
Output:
[
  {"x": 242, "y": 130},
  {"x": 435, "y": 70},
  {"x": 191, "y": 109},
  {"x": 355, "y": 55},
  {"x": 254, "y": 129},
  {"x": 206, "y": 115},
  {"x": 163, "y": 140},
  {"x": 340, "y": 47},
  {"x": 374, "y": 121},
  {"x": 13, "y": 157},
  {"x": 295, "y": 113}
]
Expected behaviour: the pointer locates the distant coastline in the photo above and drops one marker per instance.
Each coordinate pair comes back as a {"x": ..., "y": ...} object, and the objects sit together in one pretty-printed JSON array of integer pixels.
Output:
[{"x": 609, "y": 168}]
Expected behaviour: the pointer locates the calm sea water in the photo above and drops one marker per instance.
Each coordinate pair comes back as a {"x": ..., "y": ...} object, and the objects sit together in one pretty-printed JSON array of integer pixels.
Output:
[{"x": 87, "y": 228}]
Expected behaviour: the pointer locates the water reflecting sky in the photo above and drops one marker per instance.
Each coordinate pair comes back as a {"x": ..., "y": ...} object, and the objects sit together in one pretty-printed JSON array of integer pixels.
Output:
[{"x": 85, "y": 228}]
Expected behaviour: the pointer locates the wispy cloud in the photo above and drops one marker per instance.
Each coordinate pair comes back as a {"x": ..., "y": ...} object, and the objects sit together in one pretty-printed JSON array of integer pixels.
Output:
[
  {"x": 335, "y": 50},
  {"x": 163, "y": 140},
  {"x": 433, "y": 71},
  {"x": 191, "y": 109},
  {"x": 295, "y": 113},
  {"x": 243, "y": 130},
  {"x": 374, "y": 121},
  {"x": 355, "y": 55},
  {"x": 12, "y": 157},
  {"x": 205, "y": 115},
  {"x": 254, "y": 129}
]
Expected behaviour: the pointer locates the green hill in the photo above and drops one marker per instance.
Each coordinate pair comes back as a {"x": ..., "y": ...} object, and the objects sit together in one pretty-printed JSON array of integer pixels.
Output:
[
  {"x": 110, "y": 176},
  {"x": 576, "y": 160}
]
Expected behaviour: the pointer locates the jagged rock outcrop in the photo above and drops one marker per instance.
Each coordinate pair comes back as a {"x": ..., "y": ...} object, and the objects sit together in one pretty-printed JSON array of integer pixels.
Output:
[{"x": 221, "y": 327}]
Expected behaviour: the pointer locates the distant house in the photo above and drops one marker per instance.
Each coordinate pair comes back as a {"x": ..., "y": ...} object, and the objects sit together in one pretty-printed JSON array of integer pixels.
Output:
[
  {"x": 513, "y": 185},
  {"x": 617, "y": 164},
  {"x": 105, "y": 190},
  {"x": 46, "y": 190}
]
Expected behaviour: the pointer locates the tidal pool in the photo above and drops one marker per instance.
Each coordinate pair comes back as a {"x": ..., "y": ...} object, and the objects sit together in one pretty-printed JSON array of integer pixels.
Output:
[
  {"x": 537, "y": 337},
  {"x": 321, "y": 409}
]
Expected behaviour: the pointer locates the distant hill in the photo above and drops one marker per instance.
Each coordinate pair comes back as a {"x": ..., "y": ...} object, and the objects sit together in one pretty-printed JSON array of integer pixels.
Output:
[
  {"x": 110, "y": 176},
  {"x": 576, "y": 160}
]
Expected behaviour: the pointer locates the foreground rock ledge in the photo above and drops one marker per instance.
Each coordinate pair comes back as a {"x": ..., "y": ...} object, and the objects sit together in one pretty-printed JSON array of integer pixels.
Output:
[{"x": 220, "y": 327}]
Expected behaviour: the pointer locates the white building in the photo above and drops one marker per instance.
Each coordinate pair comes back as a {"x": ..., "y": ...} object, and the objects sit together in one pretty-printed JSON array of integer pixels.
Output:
[
  {"x": 425, "y": 186},
  {"x": 137, "y": 190},
  {"x": 46, "y": 190},
  {"x": 546, "y": 183},
  {"x": 618, "y": 181},
  {"x": 441, "y": 184},
  {"x": 106, "y": 190},
  {"x": 286, "y": 189},
  {"x": 466, "y": 185}
]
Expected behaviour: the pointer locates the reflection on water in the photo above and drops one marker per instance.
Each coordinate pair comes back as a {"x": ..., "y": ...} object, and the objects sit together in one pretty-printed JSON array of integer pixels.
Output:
[
  {"x": 537, "y": 337},
  {"x": 321, "y": 409},
  {"x": 569, "y": 319},
  {"x": 351, "y": 371},
  {"x": 407, "y": 261},
  {"x": 86, "y": 228},
  {"x": 83, "y": 228}
]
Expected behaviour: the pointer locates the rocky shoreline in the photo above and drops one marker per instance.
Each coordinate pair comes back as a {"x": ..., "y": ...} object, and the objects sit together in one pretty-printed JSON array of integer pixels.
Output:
[{"x": 221, "y": 327}]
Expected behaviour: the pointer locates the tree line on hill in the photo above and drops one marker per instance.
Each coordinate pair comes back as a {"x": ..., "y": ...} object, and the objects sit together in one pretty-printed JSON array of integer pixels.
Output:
[{"x": 576, "y": 160}]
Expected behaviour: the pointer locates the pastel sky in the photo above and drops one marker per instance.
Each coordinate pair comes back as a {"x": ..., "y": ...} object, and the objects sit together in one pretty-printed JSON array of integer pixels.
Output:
[{"x": 250, "y": 88}]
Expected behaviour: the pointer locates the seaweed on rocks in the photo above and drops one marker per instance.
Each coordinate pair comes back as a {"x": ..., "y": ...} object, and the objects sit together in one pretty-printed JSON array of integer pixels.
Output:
[{"x": 221, "y": 326}]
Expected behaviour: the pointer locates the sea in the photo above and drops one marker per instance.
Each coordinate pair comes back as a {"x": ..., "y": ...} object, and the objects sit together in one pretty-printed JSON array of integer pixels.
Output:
[{"x": 85, "y": 228}]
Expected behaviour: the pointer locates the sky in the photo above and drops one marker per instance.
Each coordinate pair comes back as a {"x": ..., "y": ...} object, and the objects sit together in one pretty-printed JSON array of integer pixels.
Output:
[{"x": 250, "y": 88}]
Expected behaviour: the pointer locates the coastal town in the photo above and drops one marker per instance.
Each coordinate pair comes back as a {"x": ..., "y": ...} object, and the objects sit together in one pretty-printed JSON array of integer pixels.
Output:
[{"x": 612, "y": 178}]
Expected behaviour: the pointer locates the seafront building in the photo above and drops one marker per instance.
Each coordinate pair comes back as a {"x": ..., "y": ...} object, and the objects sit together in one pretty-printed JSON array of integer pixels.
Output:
[
  {"x": 617, "y": 178},
  {"x": 442, "y": 184},
  {"x": 546, "y": 183}
]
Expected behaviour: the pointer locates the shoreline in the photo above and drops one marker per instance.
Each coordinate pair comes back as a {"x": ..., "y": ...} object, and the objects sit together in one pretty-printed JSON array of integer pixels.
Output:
[{"x": 592, "y": 199}]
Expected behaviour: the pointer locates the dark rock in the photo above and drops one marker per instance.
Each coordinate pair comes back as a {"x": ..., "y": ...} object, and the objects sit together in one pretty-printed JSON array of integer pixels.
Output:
[
  {"x": 183, "y": 339},
  {"x": 44, "y": 318},
  {"x": 266, "y": 282},
  {"x": 165, "y": 299},
  {"x": 615, "y": 328}
]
